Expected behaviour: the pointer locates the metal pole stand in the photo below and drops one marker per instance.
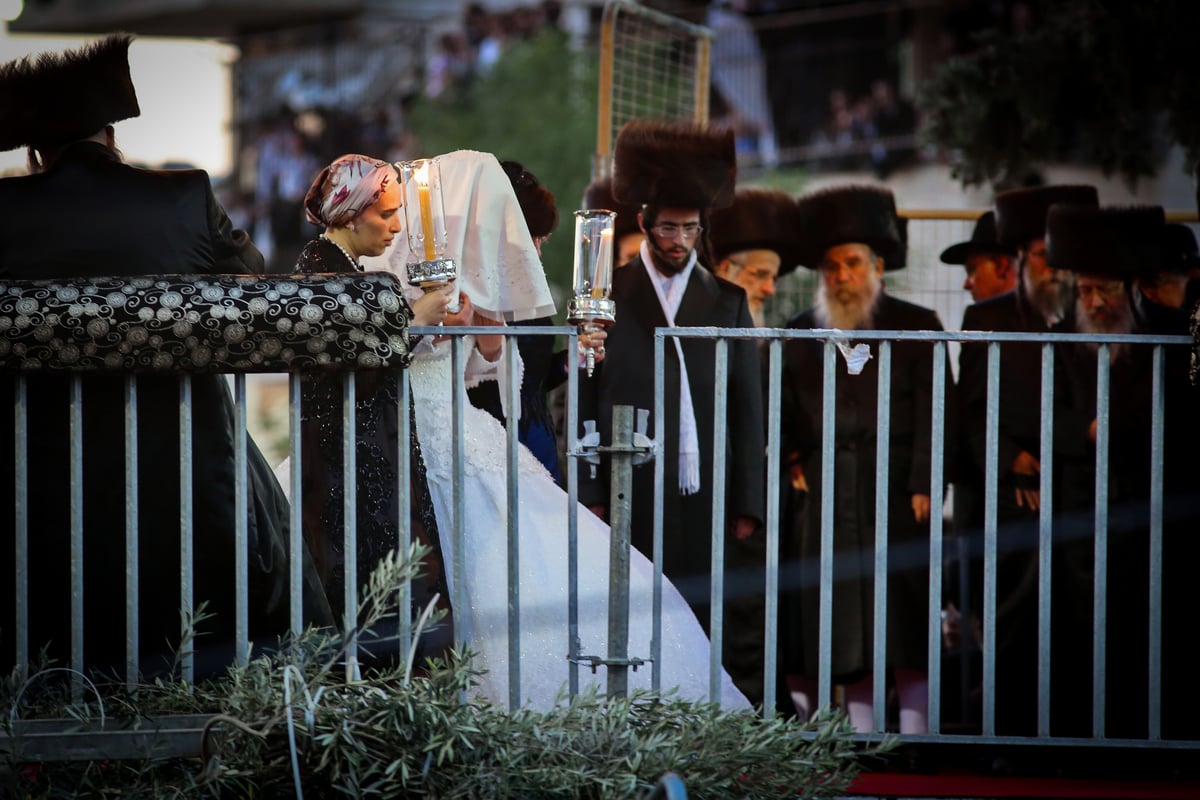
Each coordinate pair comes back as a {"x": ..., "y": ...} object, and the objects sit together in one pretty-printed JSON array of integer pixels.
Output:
[{"x": 629, "y": 447}]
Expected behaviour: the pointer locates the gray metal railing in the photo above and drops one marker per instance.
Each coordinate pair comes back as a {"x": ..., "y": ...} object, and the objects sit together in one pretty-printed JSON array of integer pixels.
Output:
[{"x": 777, "y": 341}]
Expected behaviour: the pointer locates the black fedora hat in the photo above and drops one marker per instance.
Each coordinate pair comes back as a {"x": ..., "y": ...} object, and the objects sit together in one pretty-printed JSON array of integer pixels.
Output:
[{"x": 983, "y": 240}]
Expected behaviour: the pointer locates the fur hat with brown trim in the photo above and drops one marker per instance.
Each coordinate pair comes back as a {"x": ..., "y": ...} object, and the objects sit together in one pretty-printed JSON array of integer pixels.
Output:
[
  {"x": 598, "y": 194},
  {"x": 1111, "y": 242},
  {"x": 1021, "y": 213},
  {"x": 52, "y": 99},
  {"x": 674, "y": 165},
  {"x": 759, "y": 219},
  {"x": 856, "y": 213}
]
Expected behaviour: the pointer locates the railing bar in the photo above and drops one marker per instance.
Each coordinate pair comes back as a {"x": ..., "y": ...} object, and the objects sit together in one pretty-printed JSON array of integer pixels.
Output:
[
  {"x": 514, "y": 526},
  {"x": 1100, "y": 585},
  {"x": 990, "y": 492},
  {"x": 574, "y": 646},
  {"x": 295, "y": 508},
  {"x": 350, "y": 523},
  {"x": 21, "y": 521},
  {"x": 404, "y": 502},
  {"x": 1045, "y": 540},
  {"x": 717, "y": 586},
  {"x": 883, "y": 423},
  {"x": 936, "y": 520},
  {"x": 187, "y": 590},
  {"x": 241, "y": 523},
  {"x": 1156, "y": 543},
  {"x": 825, "y": 621},
  {"x": 132, "y": 560},
  {"x": 771, "y": 588},
  {"x": 458, "y": 512},
  {"x": 660, "y": 413},
  {"x": 77, "y": 609}
]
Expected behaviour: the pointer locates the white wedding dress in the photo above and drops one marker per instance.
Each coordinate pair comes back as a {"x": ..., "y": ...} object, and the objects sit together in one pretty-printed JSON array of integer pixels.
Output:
[{"x": 542, "y": 515}]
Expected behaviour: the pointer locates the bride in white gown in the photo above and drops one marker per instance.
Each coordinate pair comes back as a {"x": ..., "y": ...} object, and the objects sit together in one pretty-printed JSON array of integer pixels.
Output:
[{"x": 500, "y": 272}]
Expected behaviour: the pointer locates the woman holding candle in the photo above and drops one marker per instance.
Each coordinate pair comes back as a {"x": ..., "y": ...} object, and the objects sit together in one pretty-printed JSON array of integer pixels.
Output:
[
  {"x": 357, "y": 200},
  {"x": 500, "y": 270}
]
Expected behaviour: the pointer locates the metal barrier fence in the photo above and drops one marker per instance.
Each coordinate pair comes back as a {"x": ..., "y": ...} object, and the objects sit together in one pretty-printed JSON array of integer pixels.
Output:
[{"x": 17, "y": 363}]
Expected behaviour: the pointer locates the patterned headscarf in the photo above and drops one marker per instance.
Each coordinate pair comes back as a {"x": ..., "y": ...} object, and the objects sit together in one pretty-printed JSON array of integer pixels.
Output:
[{"x": 345, "y": 189}]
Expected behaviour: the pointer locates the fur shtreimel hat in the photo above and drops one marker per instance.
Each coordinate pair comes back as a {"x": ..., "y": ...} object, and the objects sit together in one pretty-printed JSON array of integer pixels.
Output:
[
  {"x": 1021, "y": 213},
  {"x": 598, "y": 194},
  {"x": 52, "y": 99},
  {"x": 674, "y": 164},
  {"x": 855, "y": 213},
  {"x": 1179, "y": 252},
  {"x": 759, "y": 219},
  {"x": 983, "y": 240},
  {"x": 1110, "y": 242}
]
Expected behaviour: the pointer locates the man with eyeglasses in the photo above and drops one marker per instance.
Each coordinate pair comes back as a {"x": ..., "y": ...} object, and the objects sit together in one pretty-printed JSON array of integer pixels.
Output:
[
  {"x": 675, "y": 172},
  {"x": 1040, "y": 299},
  {"x": 1105, "y": 248},
  {"x": 755, "y": 242}
]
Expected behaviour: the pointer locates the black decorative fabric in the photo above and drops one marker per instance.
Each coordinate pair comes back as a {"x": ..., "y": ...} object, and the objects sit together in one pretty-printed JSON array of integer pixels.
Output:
[{"x": 205, "y": 323}]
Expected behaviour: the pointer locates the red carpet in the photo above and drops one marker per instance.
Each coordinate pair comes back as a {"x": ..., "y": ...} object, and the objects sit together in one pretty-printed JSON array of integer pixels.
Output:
[{"x": 967, "y": 784}]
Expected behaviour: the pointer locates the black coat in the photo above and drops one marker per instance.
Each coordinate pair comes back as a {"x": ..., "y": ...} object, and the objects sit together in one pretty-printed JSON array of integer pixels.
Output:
[
  {"x": 91, "y": 215},
  {"x": 854, "y": 498},
  {"x": 626, "y": 376},
  {"x": 1129, "y": 516}
]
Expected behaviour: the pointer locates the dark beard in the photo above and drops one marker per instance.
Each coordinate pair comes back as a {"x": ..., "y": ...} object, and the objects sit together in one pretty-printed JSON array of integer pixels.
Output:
[{"x": 663, "y": 262}]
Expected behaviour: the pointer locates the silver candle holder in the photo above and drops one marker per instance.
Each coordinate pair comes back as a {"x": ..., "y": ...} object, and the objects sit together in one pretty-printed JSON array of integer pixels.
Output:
[{"x": 590, "y": 306}]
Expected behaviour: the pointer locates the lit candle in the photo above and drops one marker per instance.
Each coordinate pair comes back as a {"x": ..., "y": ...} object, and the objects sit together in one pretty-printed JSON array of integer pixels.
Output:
[
  {"x": 604, "y": 256},
  {"x": 422, "y": 179}
]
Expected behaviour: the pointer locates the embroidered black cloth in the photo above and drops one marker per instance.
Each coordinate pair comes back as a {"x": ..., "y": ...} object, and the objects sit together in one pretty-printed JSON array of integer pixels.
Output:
[{"x": 205, "y": 323}]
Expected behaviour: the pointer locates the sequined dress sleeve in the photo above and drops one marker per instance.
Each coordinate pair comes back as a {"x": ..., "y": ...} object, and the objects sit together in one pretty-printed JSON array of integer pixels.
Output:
[{"x": 378, "y": 501}]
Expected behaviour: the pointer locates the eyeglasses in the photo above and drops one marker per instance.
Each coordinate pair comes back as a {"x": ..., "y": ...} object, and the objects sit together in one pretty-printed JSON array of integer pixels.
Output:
[
  {"x": 669, "y": 230},
  {"x": 1105, "y": 291}
]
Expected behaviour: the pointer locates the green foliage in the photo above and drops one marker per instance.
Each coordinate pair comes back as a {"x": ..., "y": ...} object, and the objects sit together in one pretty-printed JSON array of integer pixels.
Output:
[
  {"x": 536, "y": 106},
  {"x": 292, "y": 719},
  {"x": 1094, "y": 82}
]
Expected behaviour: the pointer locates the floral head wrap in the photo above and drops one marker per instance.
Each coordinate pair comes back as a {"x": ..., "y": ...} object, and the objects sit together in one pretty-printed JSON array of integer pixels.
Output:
[{"x": 345, "y": 189}]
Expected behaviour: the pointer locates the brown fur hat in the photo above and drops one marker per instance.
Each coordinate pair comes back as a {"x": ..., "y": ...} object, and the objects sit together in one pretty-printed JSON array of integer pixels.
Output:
[
  {"x": 759, "y": 219},
  {"x": 1021, "y": 213},
  {"x": 674, "y": 164},
  {"x": 599, "y": 194},
  {"x": 1113, "y": 242},
  {"x": 52, "y": 99},
  {"x": 853, "y": 213}
]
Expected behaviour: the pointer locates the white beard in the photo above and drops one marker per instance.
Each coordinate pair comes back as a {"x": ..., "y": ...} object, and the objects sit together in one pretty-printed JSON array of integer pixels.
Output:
[
  {"x": 1121, "y": 323},
  {"x": 848, "y": 313}
]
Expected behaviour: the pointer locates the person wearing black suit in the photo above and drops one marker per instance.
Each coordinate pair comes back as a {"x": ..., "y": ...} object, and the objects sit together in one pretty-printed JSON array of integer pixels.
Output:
[
  {"x": 1105, "y": 248},
  {"x": 851, "y": 238},
  {"x": 675, "y": 172},
  {"x": 83, "y": 213},
  {"x": 1040, "y": 299}
]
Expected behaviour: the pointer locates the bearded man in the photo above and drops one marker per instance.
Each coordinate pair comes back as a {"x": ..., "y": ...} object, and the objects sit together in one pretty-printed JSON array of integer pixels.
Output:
[
  {"x": 1105, "y": 248},
  {"x": 675, "y": 173},
  {"x": 851, "y": 238}
]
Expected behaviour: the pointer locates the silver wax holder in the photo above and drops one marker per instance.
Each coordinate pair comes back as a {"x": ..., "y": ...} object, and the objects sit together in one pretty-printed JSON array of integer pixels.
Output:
[
  {"x": 432, "y": 273},
  {"x": 587, "y": 311}
]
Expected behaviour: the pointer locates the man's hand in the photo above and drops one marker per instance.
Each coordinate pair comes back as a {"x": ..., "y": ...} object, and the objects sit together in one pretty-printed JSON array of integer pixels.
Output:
[
  {"x": 799, "y": 482},
  {"x": 1092, "y": 431},
  {"x": 742, "y": 526},
  {"x": 920, "y": 507},
  {"x": 600, "y": 511},
  {"x": 1026, "y": 464}
]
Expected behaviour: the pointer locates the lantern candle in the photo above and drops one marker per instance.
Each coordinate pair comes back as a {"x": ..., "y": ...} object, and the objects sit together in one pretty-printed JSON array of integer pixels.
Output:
[
  {"x": 604, "y": 258},
  {"x": 422, "y": 179}
]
